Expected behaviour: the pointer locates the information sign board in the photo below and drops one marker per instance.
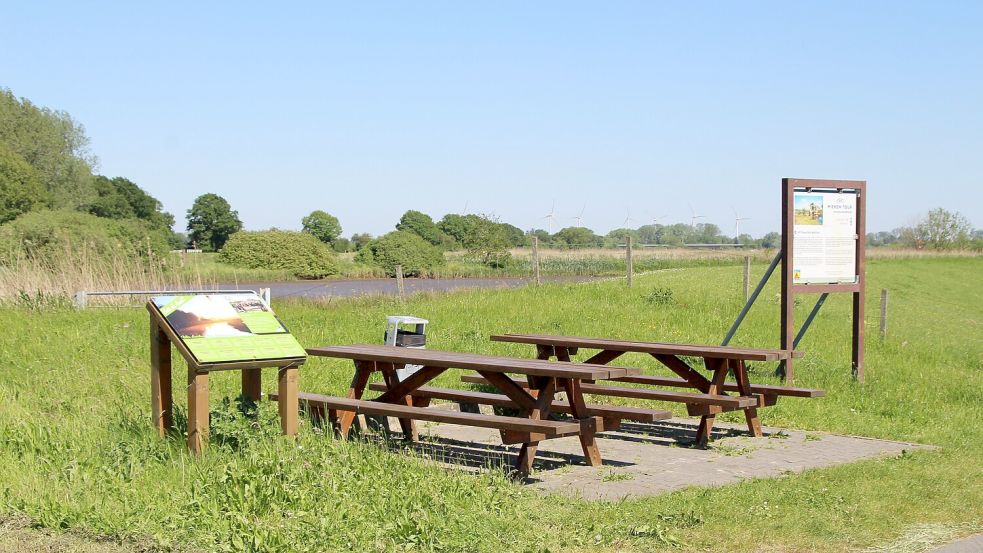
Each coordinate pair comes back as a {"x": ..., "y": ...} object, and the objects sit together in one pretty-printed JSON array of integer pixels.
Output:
[
  {"x": 222, "y": 328},
  {"x": 825, "y": 238}
]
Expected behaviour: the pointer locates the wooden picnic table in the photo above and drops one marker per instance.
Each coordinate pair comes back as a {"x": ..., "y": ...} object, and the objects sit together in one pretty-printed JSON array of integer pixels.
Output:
[
  {"x": 407, "y": 400},
  {"x": 712, "y": 397}
]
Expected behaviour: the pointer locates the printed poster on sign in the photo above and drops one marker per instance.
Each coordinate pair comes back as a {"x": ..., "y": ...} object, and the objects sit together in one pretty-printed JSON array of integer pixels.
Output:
[
  {"x": 824, "y": 242},
  {"x": 222, "y": 328}
]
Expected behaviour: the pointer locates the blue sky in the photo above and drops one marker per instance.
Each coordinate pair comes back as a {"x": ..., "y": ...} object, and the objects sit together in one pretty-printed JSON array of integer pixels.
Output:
[{"x": 369, "y": 109}]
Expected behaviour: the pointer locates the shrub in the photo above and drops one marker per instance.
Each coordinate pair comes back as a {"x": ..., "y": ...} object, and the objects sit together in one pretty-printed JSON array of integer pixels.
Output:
[
  {"x": 49, "y": 235},
  {"x": 417, "y": 256},
  {"x": 298, "y": 252},
  {"x": 661, "y": 296}
]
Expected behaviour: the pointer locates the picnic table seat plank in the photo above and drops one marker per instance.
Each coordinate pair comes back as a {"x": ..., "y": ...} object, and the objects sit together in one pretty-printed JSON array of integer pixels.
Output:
[
  {"x": 729, "y": 386},
  {"x": 728, "y": 402},
  {"x": 696, "y": 350},
  {"x": 636, "y": 414},
  {"x": 549, "y": 428},
  {"x": 455, "y": 360}
]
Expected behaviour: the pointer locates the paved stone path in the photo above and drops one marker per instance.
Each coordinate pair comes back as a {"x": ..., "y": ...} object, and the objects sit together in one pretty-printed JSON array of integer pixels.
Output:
[
  {"x": 650, "y": 459},
  {"x": 972, "y": 544}
]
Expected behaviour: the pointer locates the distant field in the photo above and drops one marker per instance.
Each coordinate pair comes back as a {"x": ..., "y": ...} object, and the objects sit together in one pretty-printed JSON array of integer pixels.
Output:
[{"x": 77, "y": 452}]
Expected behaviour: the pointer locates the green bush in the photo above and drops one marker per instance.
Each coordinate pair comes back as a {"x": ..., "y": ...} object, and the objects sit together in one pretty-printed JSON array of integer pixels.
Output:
[
  {"x": 298, "y": 252},
  {"x": 52, "y": 236},
  {"x": 417, "y": 256}
]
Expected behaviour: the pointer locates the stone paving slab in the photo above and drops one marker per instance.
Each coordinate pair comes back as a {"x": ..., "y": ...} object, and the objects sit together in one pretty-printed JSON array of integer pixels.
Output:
[
  {"x": 649, "y": 459},
  {"x": 972, "y": 544}
]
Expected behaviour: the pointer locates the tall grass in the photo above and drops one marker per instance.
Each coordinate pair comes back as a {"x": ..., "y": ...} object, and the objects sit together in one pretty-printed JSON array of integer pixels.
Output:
[{"x": 56, "y": 278}]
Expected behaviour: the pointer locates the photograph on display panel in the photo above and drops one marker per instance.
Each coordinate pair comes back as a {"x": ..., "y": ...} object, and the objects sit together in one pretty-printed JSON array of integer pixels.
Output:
[{"x": 222, "y": 328}]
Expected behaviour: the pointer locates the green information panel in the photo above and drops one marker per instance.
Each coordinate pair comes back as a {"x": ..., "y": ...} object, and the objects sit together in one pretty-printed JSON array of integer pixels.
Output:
[{"x": 223, "y": 328}]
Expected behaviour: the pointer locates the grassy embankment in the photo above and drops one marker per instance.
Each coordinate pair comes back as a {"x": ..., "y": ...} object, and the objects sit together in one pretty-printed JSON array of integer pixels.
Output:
[{"x": 76, "y": 450}]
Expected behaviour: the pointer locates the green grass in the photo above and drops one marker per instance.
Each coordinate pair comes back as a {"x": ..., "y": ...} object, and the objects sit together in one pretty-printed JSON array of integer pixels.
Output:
[{"x": 76, "y": 450}]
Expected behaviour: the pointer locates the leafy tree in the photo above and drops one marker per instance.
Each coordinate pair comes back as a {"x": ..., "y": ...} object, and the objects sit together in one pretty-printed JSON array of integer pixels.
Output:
[
  {"x": 322, "y": 225},
  {"x": 211, "y": 221},
  {"x": 422, "y": 225},
  {"x": 578, "y": 237},
  {"x": 771, "y": 240},
  {"x": 417, "y": 256},
  {"x": 940, "y": 229},
  {"x": 20, "y": 190},
  {"x": 541, "y": 234},
  {"x": 359, "y": 240},
  {"x": 342, "y": 245},
  {"x": 54, "y": 144},
  {"x": 619, "y": 237},
  {"x": 488, "y": 241}
]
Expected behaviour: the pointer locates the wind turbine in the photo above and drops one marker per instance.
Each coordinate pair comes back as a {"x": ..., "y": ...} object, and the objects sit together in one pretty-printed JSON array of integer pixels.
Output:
[
  {"x": 628, "y": 219},
  {"x": 551, "y": 217},
  {"x": 737, "y": 224},
  {"x": 580, "y": 218},
  {"x": 656, "y": 219},
  {"x": 465, "y": 208},
  {"x": 692, "y": 211}
]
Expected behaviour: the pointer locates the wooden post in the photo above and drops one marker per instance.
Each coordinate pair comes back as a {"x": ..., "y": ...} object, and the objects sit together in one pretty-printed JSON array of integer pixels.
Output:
[
  {"x": 787, "y": 338},
  {"x": 628, "y": 261},
  {"x": 399, "y": 281},
  {"x": 287, "y": 400},
  {"x": 859, "y": 296},
  {"x": 161, "y": 399},
  {"x": 252, "y": 384},
  {"x": 883, "y": 312},
  {"x": 747, "y": 277},
  {"x": 535, "y": 259},
  {"x": 197, "y": 410}
]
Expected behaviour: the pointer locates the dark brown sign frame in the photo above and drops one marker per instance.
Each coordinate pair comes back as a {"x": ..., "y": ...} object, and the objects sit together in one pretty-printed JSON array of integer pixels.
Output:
[{"x": 789, "y": 288}]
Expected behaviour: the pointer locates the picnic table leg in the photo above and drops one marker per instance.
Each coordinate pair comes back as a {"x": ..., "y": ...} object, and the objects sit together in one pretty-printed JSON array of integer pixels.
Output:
[
  {"x": 287, "y": 401},
  {"x": 197, "y": 410},
  {"x": 720, "y": 369},
  {"x": 544, "y": 398},
  {"x": 363, "y": 370},
  {"x": 579, "y": 411},
  {"x": 406, "y": 425},
  {"x": 744, "y": 387}
]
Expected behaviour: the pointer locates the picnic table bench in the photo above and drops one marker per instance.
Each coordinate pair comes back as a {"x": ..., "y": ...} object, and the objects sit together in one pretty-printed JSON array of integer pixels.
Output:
[
  {"x": 408, "y": 399},
  {"x": 711, "y": 396}
]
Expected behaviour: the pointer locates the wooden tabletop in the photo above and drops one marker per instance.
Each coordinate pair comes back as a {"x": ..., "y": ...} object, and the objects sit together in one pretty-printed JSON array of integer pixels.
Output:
[
  {"x": 472, "y": 361},
  {"x": 696, "y": 350}
]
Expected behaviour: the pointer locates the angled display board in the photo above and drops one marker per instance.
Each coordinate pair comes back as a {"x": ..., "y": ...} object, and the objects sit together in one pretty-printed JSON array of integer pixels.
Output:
[{"x": 227, "y": 328}]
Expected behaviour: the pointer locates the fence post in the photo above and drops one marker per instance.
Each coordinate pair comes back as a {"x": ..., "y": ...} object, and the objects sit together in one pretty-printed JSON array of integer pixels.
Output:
[
  {"x": 628, "y": 260},
  {"x": 883, "y": 312},
  {"x": 535, "y": 259},
  {"x": 81, "y": 299},
  {"x": 399, "y": 280},
  {"x": 747, "y": 277}
]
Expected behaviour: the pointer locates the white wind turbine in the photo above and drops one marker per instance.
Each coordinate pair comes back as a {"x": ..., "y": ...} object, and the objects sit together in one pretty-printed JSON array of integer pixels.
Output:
[
  {"x": 656, "y": 219},
  {"x": 694, "y": 217},
  {"x": 550, "y": 216},
  {"x": 737, "y": 224},
  {"x": 628, "y": 219},
  {"x": 580, "y": 218}
]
